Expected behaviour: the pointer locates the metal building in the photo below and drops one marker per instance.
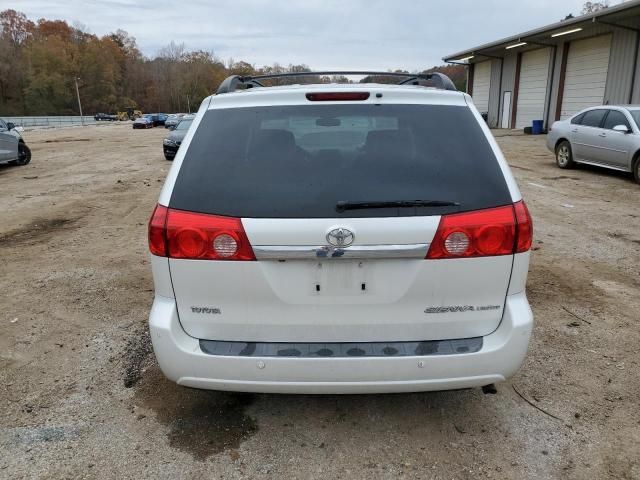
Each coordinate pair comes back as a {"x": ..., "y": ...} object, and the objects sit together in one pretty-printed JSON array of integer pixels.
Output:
[{"x": 555, "y": 71}]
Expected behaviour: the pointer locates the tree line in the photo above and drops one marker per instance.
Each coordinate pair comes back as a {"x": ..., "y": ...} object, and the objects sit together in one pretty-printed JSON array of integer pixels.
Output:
[{"x": 41, "y": 61}]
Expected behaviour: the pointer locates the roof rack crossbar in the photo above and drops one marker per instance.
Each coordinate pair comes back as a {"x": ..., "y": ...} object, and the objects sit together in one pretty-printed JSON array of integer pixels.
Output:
[{"x": 230, "y": 84}]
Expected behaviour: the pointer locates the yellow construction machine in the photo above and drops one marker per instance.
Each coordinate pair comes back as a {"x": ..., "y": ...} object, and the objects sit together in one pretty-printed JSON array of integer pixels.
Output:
[{"x": 129, "y": 114}]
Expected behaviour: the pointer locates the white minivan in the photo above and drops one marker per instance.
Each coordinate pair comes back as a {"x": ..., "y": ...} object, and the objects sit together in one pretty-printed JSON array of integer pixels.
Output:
[{"x": 339, "y": 238}]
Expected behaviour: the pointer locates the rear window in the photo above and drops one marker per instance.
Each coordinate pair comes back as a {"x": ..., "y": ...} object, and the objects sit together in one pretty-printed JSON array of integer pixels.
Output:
[
  {"x": 300, "y": 161},
  {"x": 593, "y": 118},
  {"x": 184, "y": 124}
]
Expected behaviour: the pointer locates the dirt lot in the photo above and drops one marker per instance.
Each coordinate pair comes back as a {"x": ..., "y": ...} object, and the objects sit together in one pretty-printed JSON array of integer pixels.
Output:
[{"x": 82, "y": 397}]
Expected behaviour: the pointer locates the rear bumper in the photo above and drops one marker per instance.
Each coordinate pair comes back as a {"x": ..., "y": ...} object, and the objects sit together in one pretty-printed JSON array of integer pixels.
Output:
[
  {"x": 182, "y": 361},
  {"x": 551, "y": 140}
]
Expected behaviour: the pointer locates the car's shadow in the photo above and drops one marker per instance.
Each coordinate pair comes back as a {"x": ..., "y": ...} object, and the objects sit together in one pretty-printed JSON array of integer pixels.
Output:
[
  {"x": 6, "y": 168},
  {"x": 203, "y": 423},
  {"x": 603, "y": 171}
]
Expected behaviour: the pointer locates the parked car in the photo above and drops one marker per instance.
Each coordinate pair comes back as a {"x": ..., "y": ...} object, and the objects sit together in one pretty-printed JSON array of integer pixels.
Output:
[
  {"x": 173, "y": 120},
  {"x": 145, "y": 121},
  {"x": 606, "y": 136},
  {"x": 172, "y": 142},
  {"x": 13, "y": 149},
  {"x": 339, "y": 238},
  {"x": 157, "y": 118},
  {"x": 105, "y": 117}
]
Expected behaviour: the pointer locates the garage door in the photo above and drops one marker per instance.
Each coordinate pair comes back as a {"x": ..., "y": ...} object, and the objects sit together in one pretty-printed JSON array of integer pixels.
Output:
[
  {"x": 586, "y": 75},
  {"x": 481, "y": 82},
  {"x": 532, "y": 90}
]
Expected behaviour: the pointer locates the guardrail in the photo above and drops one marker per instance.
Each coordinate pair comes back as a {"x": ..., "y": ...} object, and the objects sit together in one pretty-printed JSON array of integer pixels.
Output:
[{"x": 51, "y": 121}]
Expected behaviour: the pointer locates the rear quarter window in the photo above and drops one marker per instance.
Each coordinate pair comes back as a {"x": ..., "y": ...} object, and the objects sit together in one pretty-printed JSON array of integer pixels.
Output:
[
  {"x": 593, "y": 118},
  {"x": 577, "y": 120},
  {"x": 300, "y": 161}
]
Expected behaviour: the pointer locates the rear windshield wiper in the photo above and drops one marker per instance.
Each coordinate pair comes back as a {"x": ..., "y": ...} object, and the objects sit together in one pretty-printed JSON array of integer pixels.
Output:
[{"x": 344, "y": 205}]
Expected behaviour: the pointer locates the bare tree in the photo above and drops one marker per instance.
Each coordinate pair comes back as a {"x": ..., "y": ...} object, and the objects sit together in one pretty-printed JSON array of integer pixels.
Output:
[{"x": 592, "y": 7}]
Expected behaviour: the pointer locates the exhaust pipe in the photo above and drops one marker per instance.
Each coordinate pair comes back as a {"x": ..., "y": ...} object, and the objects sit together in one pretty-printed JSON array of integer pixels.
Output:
[{"x": 489, "y": 389}]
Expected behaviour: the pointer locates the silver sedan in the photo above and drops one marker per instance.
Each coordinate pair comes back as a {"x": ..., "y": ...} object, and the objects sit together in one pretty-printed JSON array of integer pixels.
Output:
[
  {"x": 606, "y": 136},
  {"x": 13, "y": 150}
]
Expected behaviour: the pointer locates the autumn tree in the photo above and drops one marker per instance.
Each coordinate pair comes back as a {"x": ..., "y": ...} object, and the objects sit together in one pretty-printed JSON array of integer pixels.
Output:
[
  {"x": 15, "y": 30},
  {"x": 40, "y": 60}
]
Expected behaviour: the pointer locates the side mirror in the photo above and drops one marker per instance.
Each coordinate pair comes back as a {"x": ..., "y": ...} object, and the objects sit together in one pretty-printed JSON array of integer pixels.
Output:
[
  {"x": 621, "y": 128},
  {"x": 10, "y": 126}
]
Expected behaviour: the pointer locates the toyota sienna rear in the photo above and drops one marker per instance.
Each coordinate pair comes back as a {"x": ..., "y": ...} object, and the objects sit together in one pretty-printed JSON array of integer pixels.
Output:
[{"x": 339, "y": 238}]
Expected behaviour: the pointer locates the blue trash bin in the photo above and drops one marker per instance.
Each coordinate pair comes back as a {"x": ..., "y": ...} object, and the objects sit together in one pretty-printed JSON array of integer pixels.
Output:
[{"x": 536, "y": 127}]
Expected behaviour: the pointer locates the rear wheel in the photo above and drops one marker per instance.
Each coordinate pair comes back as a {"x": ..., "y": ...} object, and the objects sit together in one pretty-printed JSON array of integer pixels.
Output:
[
  {"x": 636, "y": 169},
  {"x": 564, "y": 156},
  {"x": 24, "y": 155}
]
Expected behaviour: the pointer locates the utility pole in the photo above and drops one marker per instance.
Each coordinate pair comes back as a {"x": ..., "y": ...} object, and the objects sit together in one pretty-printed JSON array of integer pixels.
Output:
[
  {"x": 75, "y": 79},
  {"x": 188, "y": 104}
]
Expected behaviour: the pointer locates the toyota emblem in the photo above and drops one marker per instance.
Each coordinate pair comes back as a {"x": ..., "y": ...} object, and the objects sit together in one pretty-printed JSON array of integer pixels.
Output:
[{"x": 340, "y": 237}]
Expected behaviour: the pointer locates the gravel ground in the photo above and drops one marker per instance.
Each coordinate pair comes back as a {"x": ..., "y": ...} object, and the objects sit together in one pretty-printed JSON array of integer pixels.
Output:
[{"x": 82, "y": 397}]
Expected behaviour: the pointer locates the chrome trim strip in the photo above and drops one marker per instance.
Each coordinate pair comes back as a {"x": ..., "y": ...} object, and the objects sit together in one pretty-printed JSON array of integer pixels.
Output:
[
  {"x": 307, "y": 252},
  {"x": 425, "y": 348},
  {"x": 603, "y": 165}
]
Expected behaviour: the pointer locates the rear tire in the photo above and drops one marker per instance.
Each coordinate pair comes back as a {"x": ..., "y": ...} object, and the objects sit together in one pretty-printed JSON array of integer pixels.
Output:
[
  {"x": 169, "y": 158},
  {"x": 636, "y": 169},
  {"x": 24, "y": 155},
  {"x": 564, "y": 155}
]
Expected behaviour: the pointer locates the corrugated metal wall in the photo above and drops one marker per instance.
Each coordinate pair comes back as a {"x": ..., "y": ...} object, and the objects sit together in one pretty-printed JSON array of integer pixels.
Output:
[
  {"x": 619, "y": 77},
  {"x": 623, "y": 48},
  {"x": 553, "y": 57},
  {"x": 550, "y": 115},
  {"x": 508, "y": 81},
  {"x": 494, "y": 93},
  {"x": 533, "y": 86},
  {"x": 635, "y": 96},
  {"x": 586, "y": 74}
]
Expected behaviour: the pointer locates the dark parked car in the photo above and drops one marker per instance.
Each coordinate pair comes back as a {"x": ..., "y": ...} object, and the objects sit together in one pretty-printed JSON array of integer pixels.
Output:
[
  {"x": 143, "y": 122},
  {"x": 157, "y": 118},
  {"x": 173, "y": 120},
  {"x": 172, "y": 142},
  {"x": 105, "y": 117}
]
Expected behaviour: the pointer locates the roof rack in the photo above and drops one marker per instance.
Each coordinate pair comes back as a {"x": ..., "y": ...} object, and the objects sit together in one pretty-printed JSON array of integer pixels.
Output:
[{"x": 232, "y": 83}]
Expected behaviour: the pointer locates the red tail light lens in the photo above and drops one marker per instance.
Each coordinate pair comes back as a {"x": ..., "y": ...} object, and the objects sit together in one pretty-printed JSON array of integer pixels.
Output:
[
  {"x": 337, "y": 96},
  {"x": 157, "y": 233},
  {"x": 196, "y": 236},
  {"x": 475, "y": 234},
  {"x": 524, "y": 234}
]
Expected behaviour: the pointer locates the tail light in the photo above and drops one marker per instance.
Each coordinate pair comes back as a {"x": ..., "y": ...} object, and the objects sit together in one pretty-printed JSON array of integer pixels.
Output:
[
  {"x": 157, "y": 231},
  {"x": 337, "y": 96},
  {"x": 491, "y": 232},
  {"x": 524, "y": 227},
  {"x": 197, "y": 236}
]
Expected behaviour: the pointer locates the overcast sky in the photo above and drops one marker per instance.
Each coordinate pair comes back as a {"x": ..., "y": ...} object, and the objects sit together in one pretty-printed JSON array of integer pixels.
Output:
[{"x": 324, "y": 34}]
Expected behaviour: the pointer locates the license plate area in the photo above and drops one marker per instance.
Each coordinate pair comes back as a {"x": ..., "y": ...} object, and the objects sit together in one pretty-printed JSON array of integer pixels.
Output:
[{"x": 340, "y": 278}]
